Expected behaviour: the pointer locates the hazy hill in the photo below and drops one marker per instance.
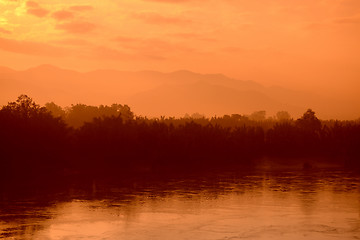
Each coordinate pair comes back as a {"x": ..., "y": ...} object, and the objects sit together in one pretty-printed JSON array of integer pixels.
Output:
[
  {"x": 154, "y": 93},
  {"x": 209, "y": 99}
]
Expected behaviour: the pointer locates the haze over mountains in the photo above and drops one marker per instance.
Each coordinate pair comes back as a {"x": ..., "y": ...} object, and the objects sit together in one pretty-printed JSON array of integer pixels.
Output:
[{"x": 155, "y": 94}]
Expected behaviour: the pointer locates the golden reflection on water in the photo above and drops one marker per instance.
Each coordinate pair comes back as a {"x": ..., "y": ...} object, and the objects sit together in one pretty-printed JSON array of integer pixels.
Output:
[{"x": 285, "y": 206}]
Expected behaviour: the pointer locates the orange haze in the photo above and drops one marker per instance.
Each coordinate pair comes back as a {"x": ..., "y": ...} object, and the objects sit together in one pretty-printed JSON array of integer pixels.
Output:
[{"x": 310, "y": 45}]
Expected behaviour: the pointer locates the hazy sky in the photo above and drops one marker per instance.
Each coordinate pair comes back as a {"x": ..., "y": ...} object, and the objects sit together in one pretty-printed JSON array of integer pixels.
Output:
[{"x": 297, "y": 43}]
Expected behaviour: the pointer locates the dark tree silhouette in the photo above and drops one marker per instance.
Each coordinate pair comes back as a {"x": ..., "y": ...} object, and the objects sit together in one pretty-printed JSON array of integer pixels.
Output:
[
  {"x": 24, "y": 107},
  {"x": 283, "y": 116},
  {"x": 309, "y": 122},
  {"x": 55, "y": 110},
  {"x": 111, "y": 141},
  {"x": 258, "y": 116},
  {"x": 78, "y": 114},
  {"x": 32, "y": 141}
]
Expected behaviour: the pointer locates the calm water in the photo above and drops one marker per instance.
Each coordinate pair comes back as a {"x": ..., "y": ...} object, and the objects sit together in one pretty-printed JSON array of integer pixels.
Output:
[{"x": 319, "y": 204}]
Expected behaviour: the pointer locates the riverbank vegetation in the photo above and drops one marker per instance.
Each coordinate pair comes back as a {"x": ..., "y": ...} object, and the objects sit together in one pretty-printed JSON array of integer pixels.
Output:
[{"x": 50, "y": 142}]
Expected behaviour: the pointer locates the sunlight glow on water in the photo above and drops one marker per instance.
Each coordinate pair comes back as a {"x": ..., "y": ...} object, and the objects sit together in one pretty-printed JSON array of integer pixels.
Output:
[{"x": 261, "y": 206}]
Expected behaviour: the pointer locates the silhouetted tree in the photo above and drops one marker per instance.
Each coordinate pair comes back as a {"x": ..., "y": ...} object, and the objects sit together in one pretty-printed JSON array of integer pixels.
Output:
[
  {"x": 309, "y": 122},
  {"x": 258, "y": 116},
  {"x": 32, "y": 140},
  {"x": 24, "y": 107},
  {"x": 77, "y": 114},
  {"x": 109, "y": 140},
  {"x": 283, "y": 116},
  {"x": 55, "y": 110},
  {"x": 197, "y": 115}
]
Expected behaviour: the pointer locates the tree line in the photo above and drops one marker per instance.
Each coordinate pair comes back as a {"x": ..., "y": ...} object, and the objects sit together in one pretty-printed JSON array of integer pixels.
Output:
[{"x": 47, "y": 142}]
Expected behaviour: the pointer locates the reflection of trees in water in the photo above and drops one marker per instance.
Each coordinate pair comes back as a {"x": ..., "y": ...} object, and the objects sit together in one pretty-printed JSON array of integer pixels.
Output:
[
  {"x": 307, "y": 185},
  {"x": 308, "y": 193},
  {"x": 349, "y": 182},
  {"x": 33, "y": 211},
  {"x": 127, "y": 199},
  {"x": 23, "y": 217},
  {"x": 299, "y": 185}
]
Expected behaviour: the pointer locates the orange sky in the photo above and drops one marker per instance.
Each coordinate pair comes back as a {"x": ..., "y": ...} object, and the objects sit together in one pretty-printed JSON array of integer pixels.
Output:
[{"x": 306, "y": 44}]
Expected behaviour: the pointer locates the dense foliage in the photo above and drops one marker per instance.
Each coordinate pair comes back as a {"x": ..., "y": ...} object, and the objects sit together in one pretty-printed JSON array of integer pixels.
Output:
[{"x": 38, "y": 142}]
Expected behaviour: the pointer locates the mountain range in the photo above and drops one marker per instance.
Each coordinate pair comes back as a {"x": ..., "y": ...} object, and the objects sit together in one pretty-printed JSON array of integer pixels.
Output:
[{"x": 154, "y": 94}]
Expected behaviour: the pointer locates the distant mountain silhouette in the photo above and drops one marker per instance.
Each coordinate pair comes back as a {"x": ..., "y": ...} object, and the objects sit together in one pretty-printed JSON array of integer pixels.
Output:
[
  {"x": 209, "y": 99},
  {"x": 154, "y": 93}
]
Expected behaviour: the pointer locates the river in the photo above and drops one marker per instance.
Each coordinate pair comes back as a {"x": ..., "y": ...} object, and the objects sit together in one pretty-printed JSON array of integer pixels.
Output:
[{"x": 315, "y": 204}]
